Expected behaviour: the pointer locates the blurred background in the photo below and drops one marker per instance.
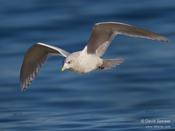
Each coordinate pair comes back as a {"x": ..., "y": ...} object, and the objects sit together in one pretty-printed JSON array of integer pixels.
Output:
[{"x": 125, "y": 98}]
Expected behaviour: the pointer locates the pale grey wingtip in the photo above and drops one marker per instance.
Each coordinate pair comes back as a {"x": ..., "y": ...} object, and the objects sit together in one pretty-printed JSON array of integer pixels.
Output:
[
  {"x": 163, "y": 39},
  {"x": 23, "y": 87}
]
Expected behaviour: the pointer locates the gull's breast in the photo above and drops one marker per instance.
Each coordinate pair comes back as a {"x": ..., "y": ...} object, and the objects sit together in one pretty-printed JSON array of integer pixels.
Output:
[{"x": 88, "y": 62}]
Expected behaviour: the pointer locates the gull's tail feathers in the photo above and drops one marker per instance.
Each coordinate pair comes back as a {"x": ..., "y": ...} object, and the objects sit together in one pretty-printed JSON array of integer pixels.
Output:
[{"x": 111, "y": 63}]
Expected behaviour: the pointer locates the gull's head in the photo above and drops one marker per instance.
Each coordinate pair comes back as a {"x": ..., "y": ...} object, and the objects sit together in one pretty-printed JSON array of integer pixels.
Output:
[{"x": 68, "y": 63}]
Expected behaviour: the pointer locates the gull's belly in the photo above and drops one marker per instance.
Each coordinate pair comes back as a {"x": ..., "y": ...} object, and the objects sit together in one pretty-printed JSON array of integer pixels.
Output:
[{"x": 88, "y": 63}]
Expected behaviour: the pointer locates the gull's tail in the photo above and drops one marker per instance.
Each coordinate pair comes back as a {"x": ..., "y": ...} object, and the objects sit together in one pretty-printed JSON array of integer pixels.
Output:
[{"x": 110, "y": 63}]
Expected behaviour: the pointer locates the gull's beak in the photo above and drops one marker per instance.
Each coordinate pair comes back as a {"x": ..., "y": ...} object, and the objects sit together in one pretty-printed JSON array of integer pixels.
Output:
[{"x": 62, "y": 69}]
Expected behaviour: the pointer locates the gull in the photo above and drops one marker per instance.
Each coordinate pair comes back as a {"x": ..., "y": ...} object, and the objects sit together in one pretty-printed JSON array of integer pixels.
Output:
[{"x": 89, "y": 58}]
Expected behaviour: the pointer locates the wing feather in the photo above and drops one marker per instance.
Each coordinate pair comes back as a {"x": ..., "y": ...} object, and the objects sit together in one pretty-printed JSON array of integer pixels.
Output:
[
  {"x": 33, "y": 60},
  {"x": 103, "y": 33}
]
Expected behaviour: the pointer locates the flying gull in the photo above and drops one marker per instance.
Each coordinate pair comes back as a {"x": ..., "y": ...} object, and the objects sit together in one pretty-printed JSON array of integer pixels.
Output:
[{"x": 87, "y": 59}]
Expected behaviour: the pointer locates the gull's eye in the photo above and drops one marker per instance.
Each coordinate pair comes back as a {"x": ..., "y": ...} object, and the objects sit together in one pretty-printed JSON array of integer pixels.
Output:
[{"x": 69, "y": 62}]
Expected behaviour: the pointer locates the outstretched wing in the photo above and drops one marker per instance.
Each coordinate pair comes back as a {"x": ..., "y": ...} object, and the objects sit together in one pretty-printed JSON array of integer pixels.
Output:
[
  {"x": 33, "y": 60},
  {"x": 103, "y": 33}
]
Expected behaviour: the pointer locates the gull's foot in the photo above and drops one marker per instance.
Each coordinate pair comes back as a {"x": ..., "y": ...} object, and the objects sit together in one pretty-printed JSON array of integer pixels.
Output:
[{"x": 101, "y": 67}]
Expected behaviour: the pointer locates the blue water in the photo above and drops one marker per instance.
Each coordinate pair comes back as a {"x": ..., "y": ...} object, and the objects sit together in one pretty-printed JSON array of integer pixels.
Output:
[{"x": 122, "y": 99}]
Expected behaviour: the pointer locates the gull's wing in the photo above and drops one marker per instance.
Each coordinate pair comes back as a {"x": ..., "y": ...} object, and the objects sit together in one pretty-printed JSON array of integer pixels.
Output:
[
  {"x": 103, "y": 33},
  {"x": 33, "y": 60}
]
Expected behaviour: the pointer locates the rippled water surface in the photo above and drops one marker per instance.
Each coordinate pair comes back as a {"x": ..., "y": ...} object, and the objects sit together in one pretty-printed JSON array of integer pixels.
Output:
[{"x": 129, "y": 97}]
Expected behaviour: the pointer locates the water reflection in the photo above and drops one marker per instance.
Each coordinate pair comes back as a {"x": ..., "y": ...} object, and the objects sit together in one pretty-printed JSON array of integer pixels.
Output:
[{"x": 142, "y": 87}]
